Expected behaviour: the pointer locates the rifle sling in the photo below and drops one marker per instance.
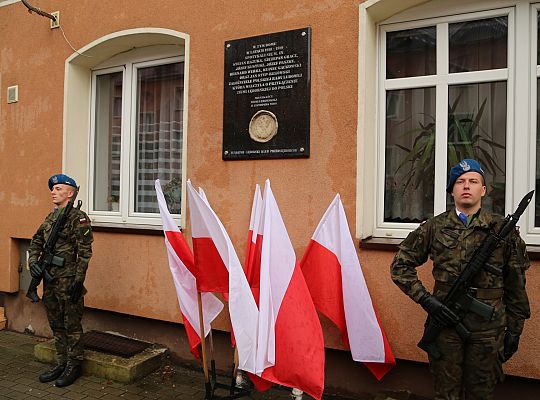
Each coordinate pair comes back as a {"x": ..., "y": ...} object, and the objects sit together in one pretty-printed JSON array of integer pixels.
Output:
[{"x": 477, "y": 293}]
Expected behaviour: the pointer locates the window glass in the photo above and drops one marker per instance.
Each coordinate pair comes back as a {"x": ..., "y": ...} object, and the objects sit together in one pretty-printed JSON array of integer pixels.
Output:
[
  {"x": 477, "y": 129},
  {"x": 411, "y": 52},
  {"x": 107, "y": 141},
  {"x": 159, "y": 136},
  {"x": 478, "y": 45},
  {"x": 409, "y": 155}
]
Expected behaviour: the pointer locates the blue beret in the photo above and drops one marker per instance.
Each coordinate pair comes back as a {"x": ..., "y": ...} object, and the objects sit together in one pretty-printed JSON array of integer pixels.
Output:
[
  {"x": 61, "y": 179},
  {"x": 466, "y": 165}
]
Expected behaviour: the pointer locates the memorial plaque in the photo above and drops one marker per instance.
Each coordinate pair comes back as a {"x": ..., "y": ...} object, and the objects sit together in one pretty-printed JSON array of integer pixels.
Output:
[{"x": 267, "y": 96}]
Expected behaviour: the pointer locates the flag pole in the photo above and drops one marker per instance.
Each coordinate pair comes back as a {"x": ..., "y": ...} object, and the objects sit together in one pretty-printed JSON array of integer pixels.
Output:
[
  {"x": 235, "y": 370},
  {"x": 208, "y": 385},
  {"x": 212, "y": 360}
]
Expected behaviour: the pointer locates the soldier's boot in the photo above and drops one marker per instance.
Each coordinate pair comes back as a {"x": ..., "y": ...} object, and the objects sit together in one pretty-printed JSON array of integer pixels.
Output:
[
  {"x": 70, "y": 375},
  {"x": 53, "y": 373}
]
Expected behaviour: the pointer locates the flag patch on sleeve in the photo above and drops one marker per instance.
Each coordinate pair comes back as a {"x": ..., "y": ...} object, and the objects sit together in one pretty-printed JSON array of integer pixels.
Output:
[{"x": 83, "y": 220}]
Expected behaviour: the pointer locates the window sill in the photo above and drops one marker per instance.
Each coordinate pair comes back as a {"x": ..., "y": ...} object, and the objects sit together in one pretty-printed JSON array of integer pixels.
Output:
[
  {"x": 388, "y": 244},
  {"x": 533, "y": 252},
  {"x": 127, "y": 228},
  {"x": 377, "y": 243}
]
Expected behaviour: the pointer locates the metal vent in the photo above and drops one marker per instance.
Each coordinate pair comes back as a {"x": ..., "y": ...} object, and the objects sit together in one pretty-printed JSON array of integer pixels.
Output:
[
  {"x": 13, "y": 94},
  {"x": 113, "y": 344}
]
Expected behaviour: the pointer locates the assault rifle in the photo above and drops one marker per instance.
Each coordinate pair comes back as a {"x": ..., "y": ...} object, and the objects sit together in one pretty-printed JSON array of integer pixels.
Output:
[
  {"x": 459, "y": 299},
  {"x": 47, "y": 257}
]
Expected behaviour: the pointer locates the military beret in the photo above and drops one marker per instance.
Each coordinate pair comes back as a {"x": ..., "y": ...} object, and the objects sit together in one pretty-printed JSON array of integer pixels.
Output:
[
  {"x": 61, "y": 179},
  {"x": 466, "y": 165}
]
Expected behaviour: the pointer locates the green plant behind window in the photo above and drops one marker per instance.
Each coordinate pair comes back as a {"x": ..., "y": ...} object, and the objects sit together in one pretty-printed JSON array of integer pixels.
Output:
[{"x": 466, "y": 139}]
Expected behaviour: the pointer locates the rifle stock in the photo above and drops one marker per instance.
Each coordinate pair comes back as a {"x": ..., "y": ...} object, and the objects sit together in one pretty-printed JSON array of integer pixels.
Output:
[{"x": 458, "y": 299}]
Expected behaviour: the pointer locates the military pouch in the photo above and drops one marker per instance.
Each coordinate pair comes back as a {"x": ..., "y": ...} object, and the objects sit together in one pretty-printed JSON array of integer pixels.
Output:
[
  {"x": 58, "y": 261},
  {"x": 51, "y": 259}
]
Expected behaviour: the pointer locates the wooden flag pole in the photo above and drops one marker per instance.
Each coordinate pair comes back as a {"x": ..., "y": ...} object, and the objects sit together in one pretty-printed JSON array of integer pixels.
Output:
[{"x": 203, "y": 349}]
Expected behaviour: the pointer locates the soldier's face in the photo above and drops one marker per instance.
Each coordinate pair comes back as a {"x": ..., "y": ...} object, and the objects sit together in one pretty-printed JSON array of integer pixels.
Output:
[
  {"x": 468, "y": 191},
  {"x": 61, "y": 194}
]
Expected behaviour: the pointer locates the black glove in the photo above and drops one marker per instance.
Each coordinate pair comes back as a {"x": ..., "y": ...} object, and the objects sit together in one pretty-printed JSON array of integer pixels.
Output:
[
  {"x": 75, "y": 291},
  {"x": 35, "y": 270},
  {"x": 511, "y": 343},
  {"x": 438, "y": 311}
]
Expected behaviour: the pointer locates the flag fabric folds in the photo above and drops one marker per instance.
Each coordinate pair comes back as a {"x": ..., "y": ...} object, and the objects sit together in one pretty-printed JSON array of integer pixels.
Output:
[
  {"x": 290, "y": 345},
  {"x": 217, "y": 265},
  {"x": 181, "y": 264},
  {"x": 252, "y": 264},
  {"x": 338, "y": 288}
]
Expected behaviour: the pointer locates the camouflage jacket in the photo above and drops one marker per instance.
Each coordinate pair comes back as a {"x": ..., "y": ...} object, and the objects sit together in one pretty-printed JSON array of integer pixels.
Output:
[
  {"x": 450, "y": 245},
  {"x": 75, "y": 243}
]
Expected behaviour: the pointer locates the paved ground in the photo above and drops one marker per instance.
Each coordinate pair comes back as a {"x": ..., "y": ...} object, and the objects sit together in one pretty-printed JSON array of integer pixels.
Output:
[{"x": 19, "y": 371}]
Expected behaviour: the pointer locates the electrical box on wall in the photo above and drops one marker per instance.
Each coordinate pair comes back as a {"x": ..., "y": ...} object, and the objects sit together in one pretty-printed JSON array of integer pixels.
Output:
[
  {"x": 24, "y": 273},
  {"x": 55, "y": 23},
  {"x": 13, "y": 94}
]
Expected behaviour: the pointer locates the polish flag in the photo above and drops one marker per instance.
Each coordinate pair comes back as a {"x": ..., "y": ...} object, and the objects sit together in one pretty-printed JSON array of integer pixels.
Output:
[
  {"x": 181, "y": 264},
  {"x": 212, "y": 273},
  {"x": 252, "y": 265},
  {"x": 218, "y": 254},
  {"x": 290, "y": 342},
  {"x": 330, "y": 266}
]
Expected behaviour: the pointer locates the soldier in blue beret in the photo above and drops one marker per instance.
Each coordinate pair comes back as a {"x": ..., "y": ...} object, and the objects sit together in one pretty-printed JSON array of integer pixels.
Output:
[
  {"x": 468, "y": 367},
  {"x": 466, "y": 165},
  {"x": 61, "y": 179},
  {"x": 63, "y": 297}
]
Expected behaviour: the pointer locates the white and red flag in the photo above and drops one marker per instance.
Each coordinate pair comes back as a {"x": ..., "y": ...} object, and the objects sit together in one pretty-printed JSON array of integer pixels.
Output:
[
  {"x": 290, "y": 346},
  {"x": 215, "y": 255},
  {"x": 338, "y": 288},
  {"x": 252, "y": 264},
  {"x": 181, "y": 264}
]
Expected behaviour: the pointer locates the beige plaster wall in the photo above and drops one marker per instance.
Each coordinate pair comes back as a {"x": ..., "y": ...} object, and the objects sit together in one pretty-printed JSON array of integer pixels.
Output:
[{"x": 129, "y": 272}]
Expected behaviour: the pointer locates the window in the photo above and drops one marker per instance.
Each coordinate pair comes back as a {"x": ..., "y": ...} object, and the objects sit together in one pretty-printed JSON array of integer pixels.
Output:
[
  {"x": 125, "y": 120},
  {"x": 137, "y": 137},
  {"x": 443, "y": 96},
  {"x": 535, "y": 50}
]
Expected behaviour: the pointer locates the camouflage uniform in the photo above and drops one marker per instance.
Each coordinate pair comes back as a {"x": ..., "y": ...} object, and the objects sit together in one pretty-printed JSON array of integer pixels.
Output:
[
  {"x": 473, "y": 366},
  {"x": 75, "y": 245}
]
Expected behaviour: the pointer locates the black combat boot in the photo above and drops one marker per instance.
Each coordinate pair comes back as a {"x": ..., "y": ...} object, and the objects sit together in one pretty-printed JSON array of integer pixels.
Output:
[
  {"x": 70, "y": 375},
  {"x": 52, "y": 374}
]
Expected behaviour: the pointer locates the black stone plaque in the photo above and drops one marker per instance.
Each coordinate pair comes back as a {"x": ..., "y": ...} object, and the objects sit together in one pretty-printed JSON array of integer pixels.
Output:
[{"x": 267, "y": 96}]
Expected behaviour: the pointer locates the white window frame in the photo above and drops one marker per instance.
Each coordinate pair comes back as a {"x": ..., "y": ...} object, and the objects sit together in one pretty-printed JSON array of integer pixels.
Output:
[
  {"x": 441, "y": 81},
  {"x": 532, "y": 235},
  {"x": 126, "y": 215},
  {"x": 521, "y": 129}
]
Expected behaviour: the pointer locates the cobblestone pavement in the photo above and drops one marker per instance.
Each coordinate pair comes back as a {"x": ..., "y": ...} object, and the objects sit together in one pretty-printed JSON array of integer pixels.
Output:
[{"x": 19, "y": 371}]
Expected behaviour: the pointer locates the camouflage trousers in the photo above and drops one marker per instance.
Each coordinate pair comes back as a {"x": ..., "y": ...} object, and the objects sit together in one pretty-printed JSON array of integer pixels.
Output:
[
  {"x": 65, "y": 320},
  {"x": 469, "y": 369}
]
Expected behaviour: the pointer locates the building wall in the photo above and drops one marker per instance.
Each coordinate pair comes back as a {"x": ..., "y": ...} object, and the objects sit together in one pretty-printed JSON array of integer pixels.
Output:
[{"x": 129, "y": 272}]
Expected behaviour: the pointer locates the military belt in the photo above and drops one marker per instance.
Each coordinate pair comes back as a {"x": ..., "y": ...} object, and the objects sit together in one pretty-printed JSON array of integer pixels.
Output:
[{"x": 477, "y": 293}]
